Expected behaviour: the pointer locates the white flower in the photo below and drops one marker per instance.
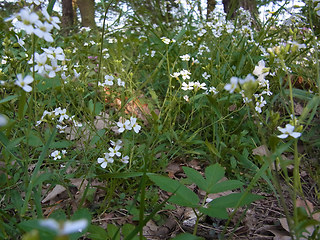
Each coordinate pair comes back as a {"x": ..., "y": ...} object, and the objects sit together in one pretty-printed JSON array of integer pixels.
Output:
[
  {"x": 20, "y": 42},
  {"x": 120, "y": 83},
  {"x": 185, "y": 74},
  {"x": 197, "y": 85},
  {"x": 261, "y": 69},
  {"x": 3, "y": 120},
  {"x": 259, "y": 104},
  {"x": 186, "y": 98},
  {"x": 43, "y": 31},
  {"x": 166, "y": 40},
  {"x": 55, "y": 53},
  {"x": 114, "y": 151},
  {"x": 65, "y": 228},
  {"x": 213, "y": 90},
  {"x": 118, "y": 142},
  {"x": 52, "y": 69},
  {"x": 187, "y": 86},
  {"x": 205, "y": 75},
  {"x": 103, "y": 162},
  {"x": 23, "y": 82},
  {"x": 108, "y": 80},
  {"x": 136, "y": 127},
  {"x": 232, "y": 85},
  {"x": 40, "y": 60},
  {"x": 288, "y": 131},
  {"x": 123, "y": 125},
  {"x": 249, "y": 78},
  {"x": 77, "y": 124},
  {"x": 26, "y": 20},
  {"x": 125, "y": 159},
  {"x": 61, "y": 128},
  {"x": 63, "y": 115},
  {"x": 76, "y": 74},
  {"x": 189, "y": 43},
  {"x": 185, "y": 57},
  {"x": 175, "y": 75},
  {"x": 53, "y": 20},
  {"x": 195, "y": 61},
  {"x": 56, "y": 155}
]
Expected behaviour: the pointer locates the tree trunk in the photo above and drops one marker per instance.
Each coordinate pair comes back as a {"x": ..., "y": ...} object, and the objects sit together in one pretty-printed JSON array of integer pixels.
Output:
[
  {"x": 231, "y": 6},
  {"x": 87, "y": 13},
  {"x": 250, "y": 5},
  {"x": 67, "y": 16},
  {"x": 211, "y": 4}
]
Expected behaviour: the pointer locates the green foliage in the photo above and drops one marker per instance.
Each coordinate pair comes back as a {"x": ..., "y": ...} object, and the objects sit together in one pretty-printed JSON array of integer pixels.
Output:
[
  {"x": 217, "y": 208},
  {"x": 72, "y": 109}
]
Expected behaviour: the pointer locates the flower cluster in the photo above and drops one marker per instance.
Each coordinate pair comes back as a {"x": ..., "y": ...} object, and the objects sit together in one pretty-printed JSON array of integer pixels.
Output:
[
  {"x": 250, "y": 86},
  {"x": 114, "y": 151},
  {"x": 193, "y": 86},
  {"x": 61, "y": 115},
  {"x": 31, "y": 23},
  {"x": 46, "y": 63},
  {"x": 185, "y": 74},
  {"x": 109, "y": 81},
  {"x": 124, "y": 124},
  {"x": 317, "y": 8}
]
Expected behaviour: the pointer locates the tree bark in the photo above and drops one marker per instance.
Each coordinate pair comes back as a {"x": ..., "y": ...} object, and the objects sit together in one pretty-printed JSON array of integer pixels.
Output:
[
  {"x": 67, "y": 16},
  {"x": 250, "y": 5},
  {"x": 231, "y": 6},
  {"x": 87, "y": 13},
  {"x": 211, "y": 4}
]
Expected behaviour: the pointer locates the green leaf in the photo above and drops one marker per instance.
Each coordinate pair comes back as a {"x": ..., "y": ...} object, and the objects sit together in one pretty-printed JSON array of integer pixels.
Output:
[
  {"x": 233, "y": 200},
  {"x": 183, "y": 195},
  {"x": 195, "y": 177},
  {"x": 43, "y": 177},
  {"x": 113, "y": 232},
  {"x": 215, "y": 212},
  {"x": 34, "y": 140},
  {"x": 9, "y": 98},
  {"x": 127, "y": 229},
  {"x": 97, "y": 233},
  {"x": 91, "y": 106},
  {"x": 213, "y": 174},
  {"x": 50, "y": 6},
  {"x": 225, "y": 186},
  {"x": 187, "y": 236}
]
